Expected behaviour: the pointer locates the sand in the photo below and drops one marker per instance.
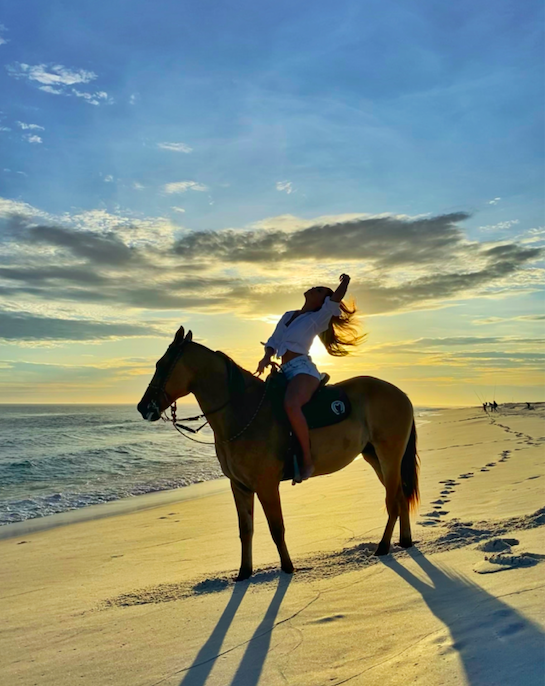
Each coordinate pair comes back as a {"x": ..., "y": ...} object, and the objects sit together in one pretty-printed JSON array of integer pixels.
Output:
[{"x": 146, "y": 597}]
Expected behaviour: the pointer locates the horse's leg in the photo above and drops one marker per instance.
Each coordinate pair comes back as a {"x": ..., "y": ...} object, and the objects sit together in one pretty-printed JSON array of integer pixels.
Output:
[
  {"x": 405, "y": 538},
  {"x": 244, "y": 500},
  {"x": 270, "y": 500},
  {"x": 390, "y": 454},
  {"x": 373, "y": 461}
]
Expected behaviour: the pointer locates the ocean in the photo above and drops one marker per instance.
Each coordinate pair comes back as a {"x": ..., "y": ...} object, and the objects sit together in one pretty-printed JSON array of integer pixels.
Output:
[{"x": 55, "y": 458}]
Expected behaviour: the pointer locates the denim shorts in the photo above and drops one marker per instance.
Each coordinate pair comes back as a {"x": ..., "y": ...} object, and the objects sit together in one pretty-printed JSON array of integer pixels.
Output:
[{"x": 302, "y": 364}]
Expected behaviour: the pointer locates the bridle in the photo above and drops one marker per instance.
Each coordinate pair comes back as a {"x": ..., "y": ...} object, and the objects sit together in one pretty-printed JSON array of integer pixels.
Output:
[
  {"x": 158, "y": 385},
  {"x": 160, "y": 378}
]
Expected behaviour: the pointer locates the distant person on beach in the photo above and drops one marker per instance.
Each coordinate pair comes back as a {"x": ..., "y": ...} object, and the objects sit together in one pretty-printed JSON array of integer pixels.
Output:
[
  {"x": 495, "y": 406},
  {"x": 323, "y": 314},
  {"x": 484, "y": 408},
  {"x": 529, "y": 406}
]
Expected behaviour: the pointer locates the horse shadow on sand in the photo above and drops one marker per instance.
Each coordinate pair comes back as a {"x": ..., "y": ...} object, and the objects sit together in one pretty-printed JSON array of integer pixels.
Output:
[
  {"x": 495, "y": 643},
  {"x": 255, "y": 654}
]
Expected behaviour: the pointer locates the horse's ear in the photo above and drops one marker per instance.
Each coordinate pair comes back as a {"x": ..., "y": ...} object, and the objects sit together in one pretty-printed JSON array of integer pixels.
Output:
[
  {"x": 179, "y": 334},
  {"x": 189, "y": 337}
]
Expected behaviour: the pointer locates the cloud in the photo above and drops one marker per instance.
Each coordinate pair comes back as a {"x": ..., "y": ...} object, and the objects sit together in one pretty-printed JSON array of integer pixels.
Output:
[
  {"x": 520, "y": 318},
  {"x": 53, "y": 91},
  {"x": 50, "y": 75},
  {"x": 107, "y": 249},
  {"x": 92, "y": 98},
  {"x": 111, "y": 261},
  {"x": 17, "y": 211},
  {"x": 184, "y": 186},
  {"x": 178, "y": 209},
  {"x": 79, "y": 274},
  {"x": 32, "y": 138},
  {"x": 175, "y": 147},
  {"x": 479, "y": 353},
  {"x": 21, "y": 326},
  {"x": 385, "y": 239},
  {"x": 419, "y": 344},
  {"x": 108, "y": 179},
  {"x": 285, "y": 186},
  {"x": 3, "y": 40},
  {"x": 32, "y": 127},
  {"x": 57, "y": 79},
  {"x": 500, "y": 226},
  {"x": 495, "y": 201}
]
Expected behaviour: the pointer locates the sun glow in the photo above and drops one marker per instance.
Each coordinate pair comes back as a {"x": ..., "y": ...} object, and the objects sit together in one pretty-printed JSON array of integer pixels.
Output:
[{"x": 319, "y": 353}]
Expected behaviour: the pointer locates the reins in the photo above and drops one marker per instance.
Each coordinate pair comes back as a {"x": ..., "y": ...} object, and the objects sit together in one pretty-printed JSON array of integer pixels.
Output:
[{"x": 180, "y": 428}]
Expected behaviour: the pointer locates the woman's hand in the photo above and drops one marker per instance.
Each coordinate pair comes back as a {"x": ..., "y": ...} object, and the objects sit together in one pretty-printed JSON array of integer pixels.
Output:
[
  {"x": 262, "y": 365},
  {"x": 341, "y": 288}
]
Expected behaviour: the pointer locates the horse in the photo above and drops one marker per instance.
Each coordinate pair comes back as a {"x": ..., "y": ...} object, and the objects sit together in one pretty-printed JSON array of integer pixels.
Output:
[{"x": 251, "y": 442}]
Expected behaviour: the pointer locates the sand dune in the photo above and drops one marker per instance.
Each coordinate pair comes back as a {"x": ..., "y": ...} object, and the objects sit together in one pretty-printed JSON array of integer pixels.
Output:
[{"x": 147, "y": 598}]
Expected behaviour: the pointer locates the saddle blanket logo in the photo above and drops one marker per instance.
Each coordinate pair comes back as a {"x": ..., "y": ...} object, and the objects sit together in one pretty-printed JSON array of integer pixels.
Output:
[{"x": 338, "y": 407}]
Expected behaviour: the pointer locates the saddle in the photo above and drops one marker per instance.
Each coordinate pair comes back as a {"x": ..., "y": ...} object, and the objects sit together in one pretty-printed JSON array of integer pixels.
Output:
[{"x": 329, "y": 405}]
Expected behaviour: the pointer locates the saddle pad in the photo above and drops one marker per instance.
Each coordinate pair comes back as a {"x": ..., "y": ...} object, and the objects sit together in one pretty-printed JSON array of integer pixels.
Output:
[{"x": 329, "y": 405}]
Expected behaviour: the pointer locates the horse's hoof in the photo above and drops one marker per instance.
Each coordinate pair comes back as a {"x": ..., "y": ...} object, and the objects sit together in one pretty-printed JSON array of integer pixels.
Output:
[
  {"x": 382, "y": 549},
  {"x": 287, "y": 569},
  {"x": 406, "y": 543},
  {"x": 243, "y": 575}
]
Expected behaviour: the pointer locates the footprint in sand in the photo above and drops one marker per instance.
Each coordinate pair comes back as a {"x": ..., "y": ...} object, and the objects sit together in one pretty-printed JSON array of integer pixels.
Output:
[
  {"x": 440, "y": 501},
  {"x": 511, "y": 629},
  {"x": 502, "y": 557},
  {"x": 491, "y": 464},
  {"x": 497, "y": 545},
  {"x": 432, "y": 514},
  {"x": 468, "y": 475},
  {"x": 500, "y": 562},
  {"x": 427, "y": 523},
  {"x": 445, "y": 492},
  {"x": 484, "y": 469}
]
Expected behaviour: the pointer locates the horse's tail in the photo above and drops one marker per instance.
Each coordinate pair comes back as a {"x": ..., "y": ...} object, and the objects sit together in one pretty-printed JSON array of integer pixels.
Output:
[{"x": 410, "y": 466}]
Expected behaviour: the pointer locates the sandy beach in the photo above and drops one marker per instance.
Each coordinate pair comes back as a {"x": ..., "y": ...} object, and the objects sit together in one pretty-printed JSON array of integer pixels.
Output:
[{"x": 146, "y": 597}]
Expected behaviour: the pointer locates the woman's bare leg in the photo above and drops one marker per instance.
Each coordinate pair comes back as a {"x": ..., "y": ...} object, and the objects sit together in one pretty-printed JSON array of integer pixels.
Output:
[{"x": 298, "y": 393}]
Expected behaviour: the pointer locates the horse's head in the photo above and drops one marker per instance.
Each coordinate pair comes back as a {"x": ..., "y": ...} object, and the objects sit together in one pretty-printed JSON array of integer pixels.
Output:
[{"x": 169, "y": 381}]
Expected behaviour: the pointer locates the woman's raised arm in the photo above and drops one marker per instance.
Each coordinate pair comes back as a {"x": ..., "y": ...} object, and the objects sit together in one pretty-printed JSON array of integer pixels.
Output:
[{"x": 341, "y": 288}]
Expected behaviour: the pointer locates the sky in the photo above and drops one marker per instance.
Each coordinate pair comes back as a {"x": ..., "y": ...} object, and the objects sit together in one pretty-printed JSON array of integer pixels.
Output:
[{"x": 204, "y": 163}]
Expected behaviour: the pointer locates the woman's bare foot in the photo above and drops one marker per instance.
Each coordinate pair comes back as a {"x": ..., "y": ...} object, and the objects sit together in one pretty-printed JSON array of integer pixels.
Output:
[{"x": 307, "y": 472}]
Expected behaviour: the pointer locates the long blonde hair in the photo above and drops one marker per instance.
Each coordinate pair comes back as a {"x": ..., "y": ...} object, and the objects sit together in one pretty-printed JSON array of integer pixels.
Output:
[{"x": 343, "y": 332}]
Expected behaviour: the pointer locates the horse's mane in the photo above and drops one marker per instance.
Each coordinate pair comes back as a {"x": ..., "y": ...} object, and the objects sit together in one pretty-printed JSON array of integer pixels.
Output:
[{"x": 239, "y": 378}]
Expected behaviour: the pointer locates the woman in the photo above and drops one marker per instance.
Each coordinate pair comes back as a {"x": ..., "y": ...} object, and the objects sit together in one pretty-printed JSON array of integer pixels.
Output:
[{"x": 323, "y": 314}]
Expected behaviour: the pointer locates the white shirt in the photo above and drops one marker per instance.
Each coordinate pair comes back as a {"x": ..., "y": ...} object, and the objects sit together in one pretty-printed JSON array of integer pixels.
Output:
[{"x": 298, "y": 336}]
